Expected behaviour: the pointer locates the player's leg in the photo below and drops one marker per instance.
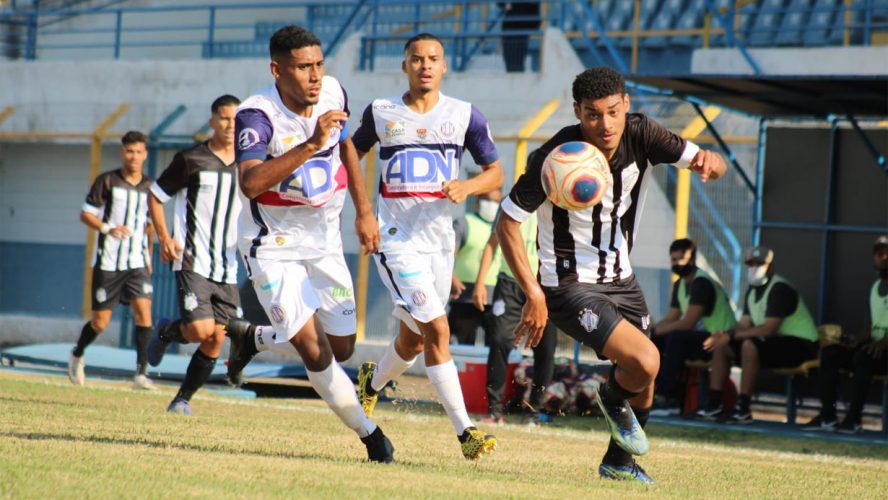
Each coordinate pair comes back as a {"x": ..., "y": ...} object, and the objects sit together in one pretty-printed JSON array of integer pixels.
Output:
[
  {"x": 543, "y": 365},
  {"x": 336, "y": 389},
  {"x": 832, "y": 359},
  {"x": 722, "y": 359},
  {"x": 332, "y": 279},
  {"x": 141, "y": 308},
  {"x": 463, "y": 321},
  {"x": 506, "y": 312},
  {"x": 864, "y": 367},
  {"x": 106, "y": 289}
]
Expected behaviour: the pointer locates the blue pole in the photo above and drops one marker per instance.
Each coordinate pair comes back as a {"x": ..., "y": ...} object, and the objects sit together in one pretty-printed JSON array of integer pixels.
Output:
[
  {"x": 759, "y": 176},
  {"x": 117, "y": 27},
  {"x": 211, "y": 35},
  {"x": 827, "y": 219}
]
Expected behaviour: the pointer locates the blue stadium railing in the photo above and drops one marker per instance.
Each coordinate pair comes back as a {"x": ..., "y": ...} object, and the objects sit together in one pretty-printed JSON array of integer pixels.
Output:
[{"x": 470, "y": 27}]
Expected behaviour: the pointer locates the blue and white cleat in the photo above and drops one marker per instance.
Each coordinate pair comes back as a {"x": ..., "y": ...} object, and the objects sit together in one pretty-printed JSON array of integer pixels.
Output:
[
  {"x": 632, "y": 472},
  {"x": 179, "y": 406},
  {"x": 158, "y": 344},
  {"x": 624, "y": 427}
]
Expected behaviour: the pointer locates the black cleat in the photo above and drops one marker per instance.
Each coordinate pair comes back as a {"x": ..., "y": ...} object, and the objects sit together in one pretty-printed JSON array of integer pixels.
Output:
[
  {"x": 379, "y": 448},
  {"x": 241, "y": 351}
]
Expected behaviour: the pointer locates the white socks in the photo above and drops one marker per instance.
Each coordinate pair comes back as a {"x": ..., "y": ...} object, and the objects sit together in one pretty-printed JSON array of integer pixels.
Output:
[
  {"x": 445, "y": 379},
  {"x": 265, "y": 339},
  {"x": 390, "y": 367},
  {"x": 338, "y": 391}
]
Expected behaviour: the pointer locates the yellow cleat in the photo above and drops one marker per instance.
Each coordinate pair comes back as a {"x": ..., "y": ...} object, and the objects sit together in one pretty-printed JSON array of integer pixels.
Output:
[
  {"x": 476, "y": 443},
  {"x": 366, "y": 395}
]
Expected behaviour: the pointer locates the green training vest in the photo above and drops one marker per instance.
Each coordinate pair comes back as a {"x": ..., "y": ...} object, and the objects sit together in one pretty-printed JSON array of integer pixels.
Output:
[
  {"x": 529, "y": 232},
  {"x": 798, "y": 324},
  {"x": 722, "y": 317},
  {"x": 468, "y": 260},
  {"x": 879, "y": 313}
]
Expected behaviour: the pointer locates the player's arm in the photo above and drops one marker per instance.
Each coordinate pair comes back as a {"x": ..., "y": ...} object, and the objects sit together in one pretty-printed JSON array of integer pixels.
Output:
[
  {"x": 490, "y": 178},
  {"x": 534, "y": 314},
  {"x": 479, "y": 295},
  {"x": 169, "y": 248},
  {"x": 92, "y": 210},
  {"x": 173, "y": 179},
  {"x": 664, "y": 146},
  {"x": 365, "y": 137},
  {"x": 149, "y": 234},
  {"x": 366, "y": 226},
  {"x": 257, "y": 176}
]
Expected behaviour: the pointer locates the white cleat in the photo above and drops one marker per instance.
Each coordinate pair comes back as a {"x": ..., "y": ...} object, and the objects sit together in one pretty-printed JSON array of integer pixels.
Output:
[
  {"x": 143, "y": 383},
  {"x": 75, "y": 369}
]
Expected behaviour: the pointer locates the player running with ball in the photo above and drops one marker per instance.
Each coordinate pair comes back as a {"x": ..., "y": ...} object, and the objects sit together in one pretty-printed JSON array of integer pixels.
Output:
[{"x": 586, "y": 284}]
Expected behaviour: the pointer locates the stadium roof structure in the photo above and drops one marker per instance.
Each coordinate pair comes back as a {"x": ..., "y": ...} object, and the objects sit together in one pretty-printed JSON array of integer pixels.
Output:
[{"x": 779, "y": 96}]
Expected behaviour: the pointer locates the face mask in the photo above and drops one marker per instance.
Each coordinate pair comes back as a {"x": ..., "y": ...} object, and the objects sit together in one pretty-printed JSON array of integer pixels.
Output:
[
  {"x": 487, "y": 209},
  {"x": 683, "y": 270},
  {"x": 757, "y": 275}
]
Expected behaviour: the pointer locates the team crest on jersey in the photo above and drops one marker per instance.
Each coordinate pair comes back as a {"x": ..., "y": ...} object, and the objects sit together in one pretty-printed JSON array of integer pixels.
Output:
[
  {"x": 278, "y": 315},
  {"x": 394, "y": 129},
  {"x": 190, "y": 302},
  {"x": 588, "y": 320},
  {"x": 447, "y": 129},
  {"x": 422, "y": 133},
  {"x": 247, "y": 138}
]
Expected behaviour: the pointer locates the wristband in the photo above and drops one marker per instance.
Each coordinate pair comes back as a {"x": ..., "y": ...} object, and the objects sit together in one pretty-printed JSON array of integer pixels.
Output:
[{"x": 106, "y": 228}]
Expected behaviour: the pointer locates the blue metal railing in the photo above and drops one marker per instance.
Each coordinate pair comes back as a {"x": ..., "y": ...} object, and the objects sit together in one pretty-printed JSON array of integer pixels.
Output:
[{"x": 214, "y": 30}]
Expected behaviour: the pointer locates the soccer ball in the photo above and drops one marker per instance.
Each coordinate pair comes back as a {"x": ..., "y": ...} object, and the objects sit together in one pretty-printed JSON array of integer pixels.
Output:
[
  {"x": 585, "y": 393},
  {"x": 575, "y": 176},
  {"x": 554, "y": 398},
  {"x": 523, "y": 373}
]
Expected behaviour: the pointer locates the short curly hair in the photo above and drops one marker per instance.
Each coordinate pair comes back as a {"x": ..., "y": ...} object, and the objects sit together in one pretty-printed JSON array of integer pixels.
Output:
[
  {"x": 595, "y": 83},
  {"x": 291, "y": 37}
]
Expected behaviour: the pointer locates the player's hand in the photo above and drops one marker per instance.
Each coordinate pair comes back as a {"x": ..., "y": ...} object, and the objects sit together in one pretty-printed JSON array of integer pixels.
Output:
[
  {"x": 457, "y": 287},
  {"x": 455, "y": 191},
  {"x": 708, "y": 164},
  {"x": 534, "y": 315},
  {"x": 120, "y": 232},
  {"x": 367, "y": 229},
  {"x": 876, "y": 348},
  {"x": 716, "y": 340},
  {"x": 170, "y": 250},
  {"x": 334, "y": 118},
  {"x": 479, "y": 297}
]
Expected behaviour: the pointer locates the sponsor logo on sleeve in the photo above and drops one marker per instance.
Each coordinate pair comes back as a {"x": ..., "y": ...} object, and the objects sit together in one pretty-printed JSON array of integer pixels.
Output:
[{"x": 247, "y": 138}]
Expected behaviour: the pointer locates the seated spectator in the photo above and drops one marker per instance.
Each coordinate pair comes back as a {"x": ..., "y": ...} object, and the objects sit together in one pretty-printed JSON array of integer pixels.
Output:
[
  {"x": 861, "y": 355},
  {"x": 775, "y": 331},
  {"x": 472, "y": 232},
  {"x": 699, "y": 307}
]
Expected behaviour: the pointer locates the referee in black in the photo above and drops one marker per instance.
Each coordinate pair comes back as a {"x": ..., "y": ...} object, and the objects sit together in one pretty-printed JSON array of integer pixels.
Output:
[
  {"x": 203, "y": 182},
  {"x": 586, "y": 285}
]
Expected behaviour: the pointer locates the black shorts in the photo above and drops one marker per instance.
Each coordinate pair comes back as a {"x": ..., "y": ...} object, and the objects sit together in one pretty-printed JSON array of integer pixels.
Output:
[
  {"x": 779, "y": 351},
  {"x": 590, "y": 312},
  {"x": 200, "y": 298},
  {"x": 110, "y": 288}
]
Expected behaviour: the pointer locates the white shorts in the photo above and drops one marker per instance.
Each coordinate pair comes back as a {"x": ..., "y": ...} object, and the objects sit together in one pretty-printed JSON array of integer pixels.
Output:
[
  {"x": 419, "y": 284},
  {"x": 292, "y": 291}
]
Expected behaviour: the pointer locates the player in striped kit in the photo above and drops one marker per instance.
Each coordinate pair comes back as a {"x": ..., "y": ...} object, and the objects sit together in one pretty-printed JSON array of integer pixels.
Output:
[
  {"x": 117, "y": 207},
  {"x": 586, "y": 285},
  {"x": 203, "y": 182},
  {"x": 422, "y": 136},
  {"x": 295, "y": 162}
]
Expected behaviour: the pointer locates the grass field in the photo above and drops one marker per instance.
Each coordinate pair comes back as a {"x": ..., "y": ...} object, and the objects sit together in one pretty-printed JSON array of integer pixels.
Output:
[{"x": 104, "y": 441}]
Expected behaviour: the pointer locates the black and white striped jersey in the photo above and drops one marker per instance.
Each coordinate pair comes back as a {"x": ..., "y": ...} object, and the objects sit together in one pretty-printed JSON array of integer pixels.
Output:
[
  {"x": 206, "y": 211},
  {"x": 593, "y": 245},
  {"x": 118, "y": 203}
]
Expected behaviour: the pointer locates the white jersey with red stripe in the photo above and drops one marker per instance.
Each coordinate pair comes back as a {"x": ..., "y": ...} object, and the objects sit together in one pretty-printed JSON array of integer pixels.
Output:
[
  {"x": 298, "y": 218},
  {"x": 417, "y": 153}
]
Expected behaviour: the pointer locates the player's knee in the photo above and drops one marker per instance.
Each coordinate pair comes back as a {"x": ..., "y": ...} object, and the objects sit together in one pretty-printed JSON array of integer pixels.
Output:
[
  {"x": 410, "y": 344},
  {"x": 99, "y": 324},
  {"x": 749, "y": 349},
  {"x": 343, "y": 351},
  {"x": 648, "y": 362}
]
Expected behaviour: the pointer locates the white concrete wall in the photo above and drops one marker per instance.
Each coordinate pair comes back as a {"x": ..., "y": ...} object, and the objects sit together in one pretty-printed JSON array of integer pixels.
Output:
[{"x": 824, "y": 61}]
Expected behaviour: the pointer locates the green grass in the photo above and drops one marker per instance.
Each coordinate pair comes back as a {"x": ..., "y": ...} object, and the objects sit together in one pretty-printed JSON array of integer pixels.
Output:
[{"x": 104, "y": 441}]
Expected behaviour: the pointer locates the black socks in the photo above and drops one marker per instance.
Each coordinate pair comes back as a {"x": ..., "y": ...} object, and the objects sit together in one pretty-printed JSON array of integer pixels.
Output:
[
  {"x": 199, "y": 370},
  {"x": 87, "y": 336},
  {"x": 143, "y": 336}
]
